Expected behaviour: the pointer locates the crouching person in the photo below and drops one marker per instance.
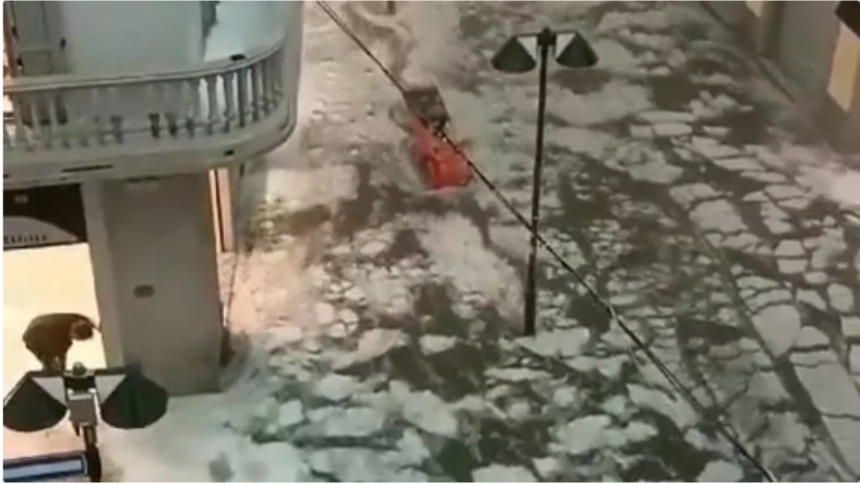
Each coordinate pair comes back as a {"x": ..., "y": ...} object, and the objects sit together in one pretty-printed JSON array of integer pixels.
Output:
[{"x": 49, "y": 337}]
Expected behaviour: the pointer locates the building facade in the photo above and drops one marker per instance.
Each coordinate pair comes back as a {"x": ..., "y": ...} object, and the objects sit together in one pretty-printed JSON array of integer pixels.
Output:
[
  {"x": 128, "y": 125},
  {"x": 816, "y": 47}
]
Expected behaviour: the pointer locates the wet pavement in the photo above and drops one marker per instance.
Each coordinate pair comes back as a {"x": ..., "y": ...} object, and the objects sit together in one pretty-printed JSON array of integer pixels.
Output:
[{"x": 680, "y": 183}]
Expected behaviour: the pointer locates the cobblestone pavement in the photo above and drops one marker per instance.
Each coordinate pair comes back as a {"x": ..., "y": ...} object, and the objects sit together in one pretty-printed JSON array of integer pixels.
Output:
[{"x": 676, "y": 179}]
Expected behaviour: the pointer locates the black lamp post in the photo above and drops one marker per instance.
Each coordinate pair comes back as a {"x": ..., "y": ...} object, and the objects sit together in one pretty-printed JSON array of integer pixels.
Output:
[{"x": 571, "y": 50}]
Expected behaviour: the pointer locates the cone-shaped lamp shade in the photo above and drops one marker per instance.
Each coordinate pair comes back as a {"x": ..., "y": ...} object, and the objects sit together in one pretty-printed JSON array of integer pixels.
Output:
[
  {"x": 577, "y": 53},
  {"x": 29, "y": 408},
  {"x": 513, "y": 58},
  {"x": 135, "y": 403}
]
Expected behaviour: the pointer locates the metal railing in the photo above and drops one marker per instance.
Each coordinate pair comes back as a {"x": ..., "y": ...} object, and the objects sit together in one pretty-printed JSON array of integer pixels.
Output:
[{"x": 71, "y": 118}]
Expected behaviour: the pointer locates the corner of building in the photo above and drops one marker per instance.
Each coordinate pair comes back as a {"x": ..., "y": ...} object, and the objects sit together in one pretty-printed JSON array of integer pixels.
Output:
[{"x": 822, "y": 65}]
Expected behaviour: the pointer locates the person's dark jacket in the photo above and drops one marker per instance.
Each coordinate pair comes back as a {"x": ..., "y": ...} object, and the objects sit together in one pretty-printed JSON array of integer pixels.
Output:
[{"x": 49, "y": 336}]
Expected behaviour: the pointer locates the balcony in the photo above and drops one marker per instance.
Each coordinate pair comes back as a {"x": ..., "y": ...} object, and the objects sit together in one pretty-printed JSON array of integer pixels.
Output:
[{"x": 69, "y": 128}]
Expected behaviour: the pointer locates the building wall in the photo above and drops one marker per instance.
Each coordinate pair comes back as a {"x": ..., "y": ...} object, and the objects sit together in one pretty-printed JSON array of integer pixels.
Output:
[
  {"x": 119, "y": 37},
  {"x": 805, "y": 38},
  {"x": 251, "y": 190},
  {"x": 116, "y": 37},
  {"x": 247, "y": 25},
  {"x": 38, "y": 40},
  {"x": 733, "y": 13},
  {"x": 250, "y": 196},
  {"x": 817, "y": 54}
]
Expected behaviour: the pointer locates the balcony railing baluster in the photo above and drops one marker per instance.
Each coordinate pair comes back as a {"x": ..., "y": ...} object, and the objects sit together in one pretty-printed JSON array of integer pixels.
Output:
[
  {"x": 81, "y": 129},
  {"x": 212, "y": 99},
  {"x": 155, "y": 100},
  {"x": 79, "y": 126},
  {"x": 278, "y": 75},
  {"x": 33, "y": 124},
  {"x": 69, "y": 120},
  {"x": 192, "y": 110},
  {"x": 242, "y": 88},
  {"x": 20, "y": 132},
  {"x": 254, "y": 73},
  {"x": 266, "y": 97},
  {"x": 172, "y": 126},
  {"x": 229, "y": 80},
  {"x": 97, "y": 116},
  {"x": 116, "y": 124},
  {"x": 173, "y": 100},
  {"x": 114, "y": 121},
  {"x": 46, "y": 128},
  {"x": 56, "y": 118}
]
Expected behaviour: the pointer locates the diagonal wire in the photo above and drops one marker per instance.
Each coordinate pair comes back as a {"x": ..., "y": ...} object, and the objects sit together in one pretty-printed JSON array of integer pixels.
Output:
[{"x": 721, "y": 426}]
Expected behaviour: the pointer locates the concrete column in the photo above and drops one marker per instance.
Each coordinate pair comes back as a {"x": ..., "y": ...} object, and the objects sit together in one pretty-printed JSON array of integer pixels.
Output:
[
  {"x": 764, "y": 27},
  {"x": 152, "y": 245}
]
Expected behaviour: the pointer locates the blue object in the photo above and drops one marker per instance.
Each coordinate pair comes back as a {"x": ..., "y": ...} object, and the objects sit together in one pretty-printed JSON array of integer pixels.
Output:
[{"x": 46, "y": 467}]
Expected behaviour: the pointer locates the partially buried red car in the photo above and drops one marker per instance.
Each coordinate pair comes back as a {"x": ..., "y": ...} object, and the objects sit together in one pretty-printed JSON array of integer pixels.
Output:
[{"x": 441, "y": 164}]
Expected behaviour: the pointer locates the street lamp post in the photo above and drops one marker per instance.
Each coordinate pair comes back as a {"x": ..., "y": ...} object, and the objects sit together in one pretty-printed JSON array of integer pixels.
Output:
[{"x": 514, "y": 57}]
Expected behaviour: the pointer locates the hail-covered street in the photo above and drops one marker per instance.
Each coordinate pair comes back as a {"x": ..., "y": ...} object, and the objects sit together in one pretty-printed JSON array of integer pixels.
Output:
[{"x": 386, "y": 320}]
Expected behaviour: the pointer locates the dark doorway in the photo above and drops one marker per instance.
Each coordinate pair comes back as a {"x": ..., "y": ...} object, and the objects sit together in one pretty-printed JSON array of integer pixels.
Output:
[{"x": 43, "y": 216}]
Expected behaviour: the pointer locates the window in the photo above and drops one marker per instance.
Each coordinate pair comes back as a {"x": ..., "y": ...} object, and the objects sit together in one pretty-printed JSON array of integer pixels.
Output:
[{"x": 849, "y": 12}]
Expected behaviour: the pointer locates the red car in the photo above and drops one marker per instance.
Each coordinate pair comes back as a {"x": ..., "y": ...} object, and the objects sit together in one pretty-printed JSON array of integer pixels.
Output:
[{"x": 441, "y": 164}]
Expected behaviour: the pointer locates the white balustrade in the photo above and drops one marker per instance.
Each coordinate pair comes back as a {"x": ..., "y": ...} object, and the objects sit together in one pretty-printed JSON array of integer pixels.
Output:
[{"x": 79, "y": 120}]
